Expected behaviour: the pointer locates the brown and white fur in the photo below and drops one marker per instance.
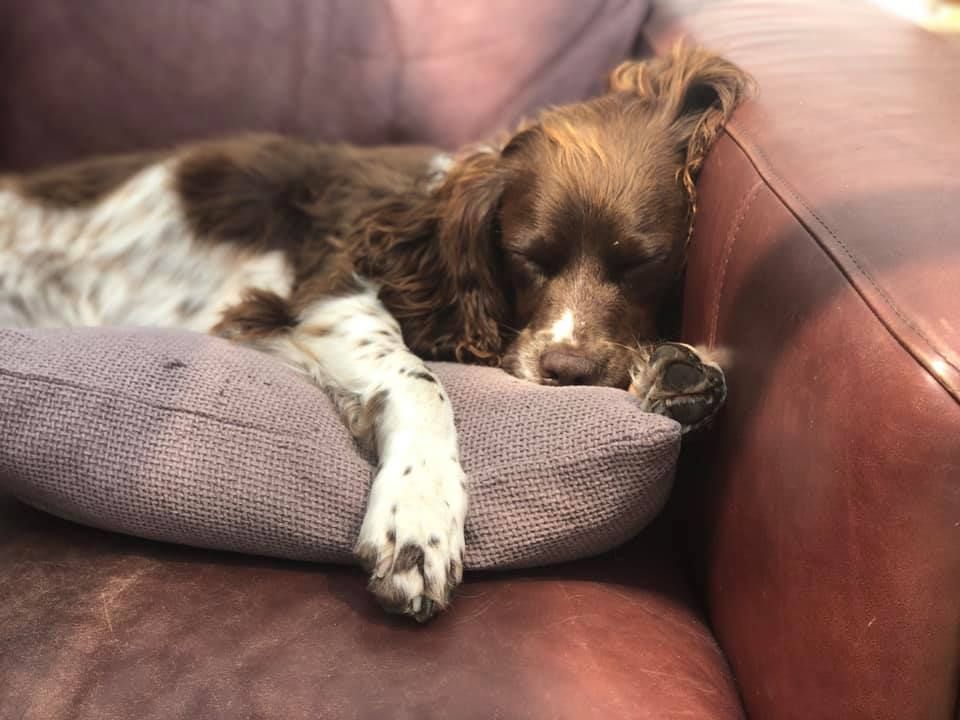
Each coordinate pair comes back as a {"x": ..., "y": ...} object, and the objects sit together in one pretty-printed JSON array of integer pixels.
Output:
[{"x": 548, "y": 253}]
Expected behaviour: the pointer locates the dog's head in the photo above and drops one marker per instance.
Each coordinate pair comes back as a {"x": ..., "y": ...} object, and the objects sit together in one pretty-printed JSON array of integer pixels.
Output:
[
  {"x": 596, "y": 212},
  {"x": 560, "y": 243}
]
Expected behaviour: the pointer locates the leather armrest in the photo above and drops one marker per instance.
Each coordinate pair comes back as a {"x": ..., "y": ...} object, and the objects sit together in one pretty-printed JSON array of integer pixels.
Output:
[{"x": 826, "y": 500}]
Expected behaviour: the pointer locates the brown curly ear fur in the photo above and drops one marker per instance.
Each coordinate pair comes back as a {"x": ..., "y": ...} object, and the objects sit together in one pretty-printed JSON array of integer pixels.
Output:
[
  {"x": 436, "y": 260},
  {"x": 694, "y": 92}
]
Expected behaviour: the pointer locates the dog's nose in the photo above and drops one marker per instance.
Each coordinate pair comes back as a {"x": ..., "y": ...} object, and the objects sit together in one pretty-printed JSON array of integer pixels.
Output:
[{"x": 568, "y": 367}]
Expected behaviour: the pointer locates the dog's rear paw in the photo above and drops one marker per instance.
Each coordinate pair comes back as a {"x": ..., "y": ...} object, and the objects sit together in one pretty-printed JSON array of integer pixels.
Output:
[{"x": 676, "y": 382}]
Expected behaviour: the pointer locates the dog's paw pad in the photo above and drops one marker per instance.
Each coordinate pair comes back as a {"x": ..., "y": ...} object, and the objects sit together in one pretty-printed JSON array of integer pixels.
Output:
[
  {"x": 679, "y": 376},
  {"x": 677, "y": 383}
]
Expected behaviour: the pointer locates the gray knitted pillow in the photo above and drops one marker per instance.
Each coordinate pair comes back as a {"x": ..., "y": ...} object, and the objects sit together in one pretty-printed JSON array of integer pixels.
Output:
[{"x": 189, "y": 439}]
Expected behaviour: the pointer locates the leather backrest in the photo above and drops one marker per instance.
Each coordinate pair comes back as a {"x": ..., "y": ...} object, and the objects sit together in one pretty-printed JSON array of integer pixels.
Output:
[{"x": 101, "y": 76}]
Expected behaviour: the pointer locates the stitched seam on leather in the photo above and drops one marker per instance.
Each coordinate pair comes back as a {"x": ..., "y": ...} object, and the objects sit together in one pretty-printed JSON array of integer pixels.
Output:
[
  {"x": 746, "y": 202},
  {"x": 743, "y": 139}
]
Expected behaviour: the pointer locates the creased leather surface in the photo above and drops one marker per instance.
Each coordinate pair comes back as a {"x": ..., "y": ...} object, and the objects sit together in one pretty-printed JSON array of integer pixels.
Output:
[
  {"x": 827, "y": 497},
  {"x": 96, "y": 626}
]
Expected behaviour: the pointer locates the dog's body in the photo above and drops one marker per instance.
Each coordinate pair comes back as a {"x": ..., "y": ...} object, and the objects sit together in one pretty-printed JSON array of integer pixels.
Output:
[
  {"x": 129, "y": 241},
  {"x": 548, "y": 254}
]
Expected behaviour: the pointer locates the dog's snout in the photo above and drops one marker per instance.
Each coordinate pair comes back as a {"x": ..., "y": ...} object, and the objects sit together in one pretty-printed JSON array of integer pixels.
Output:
[{"x": 566, "y": 366}]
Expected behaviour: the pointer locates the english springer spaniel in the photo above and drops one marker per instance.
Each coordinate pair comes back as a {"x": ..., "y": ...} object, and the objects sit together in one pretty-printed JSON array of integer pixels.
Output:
[{"x": 548, "y": 253}]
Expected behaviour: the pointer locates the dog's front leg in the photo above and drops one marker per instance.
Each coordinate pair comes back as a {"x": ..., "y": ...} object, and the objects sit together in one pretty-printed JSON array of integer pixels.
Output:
[{"x": 411, "y": 539}]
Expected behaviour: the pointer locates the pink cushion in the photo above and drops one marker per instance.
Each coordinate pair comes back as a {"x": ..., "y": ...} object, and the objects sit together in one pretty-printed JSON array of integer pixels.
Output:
[{"x": 186, "y": 438}]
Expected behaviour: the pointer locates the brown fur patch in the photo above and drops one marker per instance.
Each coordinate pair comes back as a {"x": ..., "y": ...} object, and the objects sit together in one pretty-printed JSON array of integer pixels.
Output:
[
  {"x": 278, "y": 192},
  {"x": 362, "y": 419},
  {"x": 83, "y": 183},
  {"x": 316, "y": 330},
  {"x": 336, "y": 211},
  {"x": 696, "y": 92},
  {"x": 253, "y": 190},
  {"x": 410, "y": 556},
  {"x": 436, "y": 259},
  {"x": 259, "y": 315},
  {"x": 454, "y": 576}
]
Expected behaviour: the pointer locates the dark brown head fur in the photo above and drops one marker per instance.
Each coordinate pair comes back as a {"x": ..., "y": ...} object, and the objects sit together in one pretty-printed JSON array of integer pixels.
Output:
[{"x": 553, "y": 251}]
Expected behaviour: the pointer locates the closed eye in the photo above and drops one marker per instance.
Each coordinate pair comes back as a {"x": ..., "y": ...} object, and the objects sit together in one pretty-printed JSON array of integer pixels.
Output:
[
  {"x": 541, "y": 263},
  {"x": 640, "y": 264},
  {"x": 632, "y": 269},
  {"x": 639, "y": 278}
]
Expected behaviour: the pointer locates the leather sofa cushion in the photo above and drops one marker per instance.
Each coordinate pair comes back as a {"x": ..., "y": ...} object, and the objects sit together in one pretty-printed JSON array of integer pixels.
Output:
[{"x": 95, "y": 625}]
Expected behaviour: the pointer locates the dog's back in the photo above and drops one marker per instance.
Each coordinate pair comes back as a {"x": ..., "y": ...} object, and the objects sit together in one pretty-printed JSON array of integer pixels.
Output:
[{"x": 173, "y": 239}]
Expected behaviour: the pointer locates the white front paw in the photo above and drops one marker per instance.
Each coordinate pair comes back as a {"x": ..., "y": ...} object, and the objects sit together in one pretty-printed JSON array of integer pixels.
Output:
[{"x": 411, "y": 540}]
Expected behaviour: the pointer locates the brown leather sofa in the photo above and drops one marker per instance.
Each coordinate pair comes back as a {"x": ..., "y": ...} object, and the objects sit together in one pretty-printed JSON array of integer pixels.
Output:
[{"x": 808, "y": 566}]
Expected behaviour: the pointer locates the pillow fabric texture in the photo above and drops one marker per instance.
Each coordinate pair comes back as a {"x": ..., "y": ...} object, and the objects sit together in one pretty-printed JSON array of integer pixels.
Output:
[{"x": 186, "y": 438}]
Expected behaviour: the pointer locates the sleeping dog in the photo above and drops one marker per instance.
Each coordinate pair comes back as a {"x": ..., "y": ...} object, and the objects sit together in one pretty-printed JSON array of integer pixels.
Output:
[{"x": 547, "y": 253}]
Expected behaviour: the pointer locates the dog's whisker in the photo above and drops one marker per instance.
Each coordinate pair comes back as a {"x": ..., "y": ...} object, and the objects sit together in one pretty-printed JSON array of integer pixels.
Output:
[{"x": 625, "y": 347}]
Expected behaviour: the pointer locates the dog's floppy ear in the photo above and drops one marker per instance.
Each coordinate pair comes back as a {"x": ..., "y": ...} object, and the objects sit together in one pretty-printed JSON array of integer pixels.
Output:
[
  {"x": 693, "y": 92},
  {"x": 468, "y": 245},
  {"x": 685, "y": 83},
  {"x": 436, "y": 259}
]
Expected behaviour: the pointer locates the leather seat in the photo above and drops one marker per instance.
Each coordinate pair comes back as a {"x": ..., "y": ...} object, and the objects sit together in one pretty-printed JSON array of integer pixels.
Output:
[{"x": 102, "y": 626}]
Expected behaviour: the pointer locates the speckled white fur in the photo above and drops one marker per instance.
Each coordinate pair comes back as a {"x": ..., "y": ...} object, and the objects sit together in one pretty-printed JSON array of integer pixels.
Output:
[
  {"x": 129, "y": 259},
  {"x": 418, "y": 498}
]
